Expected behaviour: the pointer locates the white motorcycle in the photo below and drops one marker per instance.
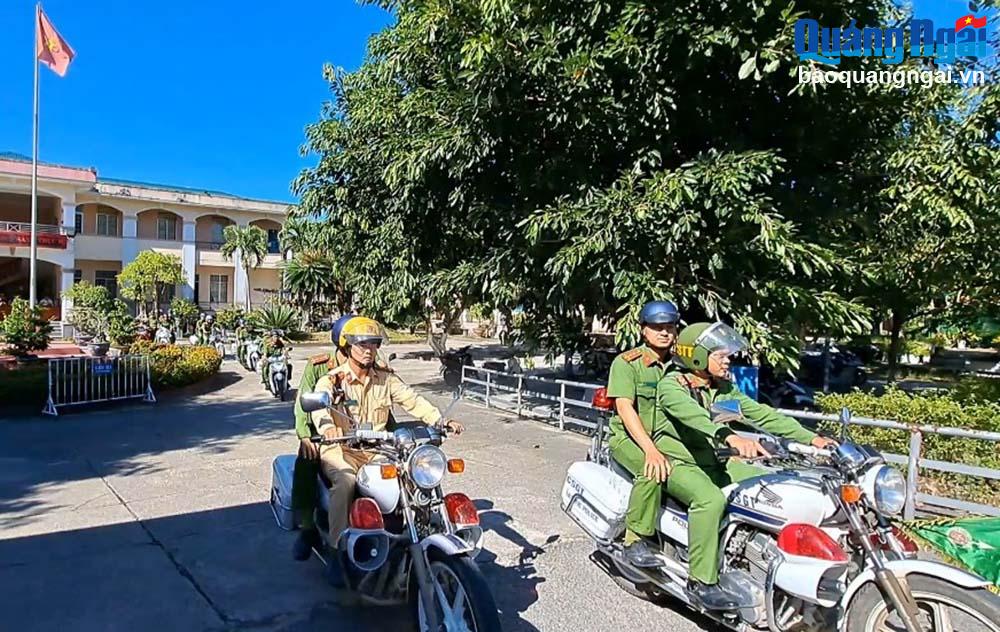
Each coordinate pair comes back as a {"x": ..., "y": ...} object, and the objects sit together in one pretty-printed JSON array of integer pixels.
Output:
[
  {"x": 216, "y": 340},
  {"x": 278, "y": 375},
  {"x": 163, "y": 336},
  {"x": 252, "y": 354},
  {"x": 808, "y": 546},
  {"x": 409, "y": 543}
]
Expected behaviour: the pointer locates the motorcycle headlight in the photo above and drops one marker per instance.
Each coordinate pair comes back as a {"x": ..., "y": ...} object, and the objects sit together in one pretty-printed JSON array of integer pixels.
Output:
[
  {"x": 890, "y": 491},
  {"x": 427, "y": 466}
]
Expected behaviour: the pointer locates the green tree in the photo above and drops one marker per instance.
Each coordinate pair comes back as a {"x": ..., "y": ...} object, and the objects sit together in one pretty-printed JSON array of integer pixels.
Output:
[
  {"x": 250, "y": 244},
  {"x": 927, "y": 252},
  {"x": 24, "y": 329},
  {"x": 312, "y": 279},
  {"x": 145, "y": 279},
  {"x": 576, "y": 160},
  {"x": 184, "y": 313}
]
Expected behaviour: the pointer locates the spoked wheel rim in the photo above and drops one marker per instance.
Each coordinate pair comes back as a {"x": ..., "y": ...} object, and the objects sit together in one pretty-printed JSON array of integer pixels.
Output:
[
  {"x": 451, "y": 601},
  {"x": 938, "y": 613}
]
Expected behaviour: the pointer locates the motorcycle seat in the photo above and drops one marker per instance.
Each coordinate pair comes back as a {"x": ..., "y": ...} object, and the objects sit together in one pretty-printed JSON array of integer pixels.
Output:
[{"x": 666, "y": 500}]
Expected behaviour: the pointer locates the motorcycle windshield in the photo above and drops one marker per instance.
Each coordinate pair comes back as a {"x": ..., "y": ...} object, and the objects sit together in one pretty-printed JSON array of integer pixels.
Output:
[{"x": 721, "y": 336}]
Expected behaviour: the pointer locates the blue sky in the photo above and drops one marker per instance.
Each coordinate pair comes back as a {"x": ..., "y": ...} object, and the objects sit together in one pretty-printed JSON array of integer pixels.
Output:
[{"x": 212, "y": 95}]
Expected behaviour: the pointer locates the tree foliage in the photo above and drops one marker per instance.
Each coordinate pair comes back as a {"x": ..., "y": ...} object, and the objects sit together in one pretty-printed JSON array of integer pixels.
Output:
[
  {"x": 145, "y": 279},
  {"x": 576, "y": 159},
  {"x": 250, "y": 243},
  {"x": 24, "y": 329}
]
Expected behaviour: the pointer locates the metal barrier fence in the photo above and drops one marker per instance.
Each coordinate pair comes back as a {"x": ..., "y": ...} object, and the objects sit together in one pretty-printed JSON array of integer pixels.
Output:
[
  {"x": 499, "y": 382},
  {"x": 74, "y": 381}
]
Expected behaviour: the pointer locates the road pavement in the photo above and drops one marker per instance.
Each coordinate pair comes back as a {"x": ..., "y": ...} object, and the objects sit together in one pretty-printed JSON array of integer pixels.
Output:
[{"x": 155, "y": 517}]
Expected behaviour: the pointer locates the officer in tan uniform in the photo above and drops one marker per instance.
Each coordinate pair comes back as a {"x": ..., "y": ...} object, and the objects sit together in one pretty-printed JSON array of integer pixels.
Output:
[{"x": 369, "y": 392}]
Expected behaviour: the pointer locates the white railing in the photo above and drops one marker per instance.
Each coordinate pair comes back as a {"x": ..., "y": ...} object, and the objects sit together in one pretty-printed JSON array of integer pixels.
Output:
[
  {"x": 913, "y": 461},
  {"x": 74, "y": 381},
  {"x": 22, "y": 227}
]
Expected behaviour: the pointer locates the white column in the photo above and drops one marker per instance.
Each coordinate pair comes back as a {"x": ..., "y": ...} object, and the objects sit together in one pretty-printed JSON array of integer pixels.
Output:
[
  {"x": 189, "y": 257},
  {"x": 130, "y": 242},
  {"x": 240, "y": 281}
]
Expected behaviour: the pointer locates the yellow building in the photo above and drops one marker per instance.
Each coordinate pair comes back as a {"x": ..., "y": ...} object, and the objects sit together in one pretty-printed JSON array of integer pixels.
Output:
[{"x": 90, "y": 227}]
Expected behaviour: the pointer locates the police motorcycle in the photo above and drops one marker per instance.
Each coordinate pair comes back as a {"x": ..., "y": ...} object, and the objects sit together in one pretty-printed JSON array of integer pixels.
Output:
[
  {"x": 279, "y": 373},
  {"x": 808, "y": 546},
  {"x": 409, "y": 543},
  {"x": 164, "y": 335}
]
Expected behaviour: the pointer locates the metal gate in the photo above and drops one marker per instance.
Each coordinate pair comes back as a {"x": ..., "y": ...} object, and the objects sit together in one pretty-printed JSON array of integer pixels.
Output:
[{"x": 74, "y": 381}]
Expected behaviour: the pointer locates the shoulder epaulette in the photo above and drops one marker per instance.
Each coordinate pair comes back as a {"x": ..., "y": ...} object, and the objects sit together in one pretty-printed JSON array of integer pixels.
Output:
[
  {"x": 384, "y": 367},
  {"x": 320, "y": 359},
  {"x": 631, "y": 354}
]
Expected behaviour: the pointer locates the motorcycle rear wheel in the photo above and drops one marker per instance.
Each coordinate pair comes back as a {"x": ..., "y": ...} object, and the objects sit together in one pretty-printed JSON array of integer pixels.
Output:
[
  {"x": 645, "y": 590},
  {"x": 454, "y": 577},
  {"x": 944, "y": 607}
]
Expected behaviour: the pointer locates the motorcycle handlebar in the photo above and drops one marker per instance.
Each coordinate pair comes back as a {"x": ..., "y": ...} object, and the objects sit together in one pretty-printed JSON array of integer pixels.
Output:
[{"x": 358, "y": 435}]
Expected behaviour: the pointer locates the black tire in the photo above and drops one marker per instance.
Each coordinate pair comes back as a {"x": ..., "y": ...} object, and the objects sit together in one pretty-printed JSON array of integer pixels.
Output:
[
  {"x": 645, "y": 591},
  {"x": 868, "y": 604},
  {"x": 479, "y": 597}
]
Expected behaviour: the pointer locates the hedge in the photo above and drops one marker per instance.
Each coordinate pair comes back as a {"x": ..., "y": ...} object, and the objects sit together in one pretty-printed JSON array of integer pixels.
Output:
[
  {"x": 24, "y": 386},
  {"x": 173, "y": 365},
  {"x": 935, "y": 410}
]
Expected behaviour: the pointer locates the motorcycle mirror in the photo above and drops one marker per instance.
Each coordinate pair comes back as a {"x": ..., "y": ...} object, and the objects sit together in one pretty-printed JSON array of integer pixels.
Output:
[
  {"x": 845, "y": 421},
  {"x": 317, "y": 400},
  {"x": 392, "y": 356}
]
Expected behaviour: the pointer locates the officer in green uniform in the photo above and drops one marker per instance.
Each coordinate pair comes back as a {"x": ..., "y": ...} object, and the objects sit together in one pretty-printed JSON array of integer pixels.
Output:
[
  {"x": 689, "y": 437},
  {"x": 241, "y": 338},
  {"x": 307, "y": 464},
  {"x": 632, "y": 383},
  {"x": 274, "y": 344}
]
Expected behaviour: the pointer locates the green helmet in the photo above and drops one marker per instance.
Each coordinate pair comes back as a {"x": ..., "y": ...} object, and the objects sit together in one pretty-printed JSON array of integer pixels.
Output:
[{"x": 698, "y": 340}]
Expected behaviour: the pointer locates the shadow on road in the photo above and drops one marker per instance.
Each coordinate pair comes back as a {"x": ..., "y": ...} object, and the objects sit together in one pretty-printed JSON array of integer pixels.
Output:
[
  {"x": 515, "y": 587},
  {"x": 222, "y": 569}
]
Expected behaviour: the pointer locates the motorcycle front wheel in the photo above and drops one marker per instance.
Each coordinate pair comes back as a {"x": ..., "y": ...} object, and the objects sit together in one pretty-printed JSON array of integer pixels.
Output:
[
  {"x": 944, "y": 607},
  {"x": 452, "y": 377},
  {"x": 462, "y": 598}
]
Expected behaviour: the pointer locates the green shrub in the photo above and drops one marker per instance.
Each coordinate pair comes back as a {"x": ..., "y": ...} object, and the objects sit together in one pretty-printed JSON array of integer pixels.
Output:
[
  {"x": 276, "y": 315},
  {"x": 977, "y": 390},
  {"x": 26, "y": 385},
  {"x": 229, "y": 318},
  {"x": 183, "y": 312},
  {"x": 173, "y": 365},
  {"x": 918, "y": 348},
  {"x": 935, "y": 410},
  {"x": 24, "y": 329}
]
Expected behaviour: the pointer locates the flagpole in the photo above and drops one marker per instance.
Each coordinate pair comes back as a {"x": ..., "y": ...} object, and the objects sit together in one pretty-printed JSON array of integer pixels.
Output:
[{"x": 34, "y": 172}]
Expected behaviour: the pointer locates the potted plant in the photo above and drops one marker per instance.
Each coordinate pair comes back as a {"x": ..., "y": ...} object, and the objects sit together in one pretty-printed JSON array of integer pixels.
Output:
[{"x": 25, "y": 330}]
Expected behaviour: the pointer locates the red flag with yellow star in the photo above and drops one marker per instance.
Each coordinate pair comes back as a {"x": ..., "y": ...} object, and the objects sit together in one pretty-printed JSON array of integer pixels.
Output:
[
  {"x": 51, "y": 48},
  {"x": 969, "y": 20}
]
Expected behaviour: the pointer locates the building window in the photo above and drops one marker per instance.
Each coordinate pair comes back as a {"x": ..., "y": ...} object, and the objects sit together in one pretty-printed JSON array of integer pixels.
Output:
[
  {"x": 166, "y": 227},
  {"x": 78, "y": 223},
  {"x": 218, "y": 288},
  {"x": 273, "y": 245},
  {"x": 108, "y": 279},
  {"x": 217, "y": 236},
  {"x": 107, "y": 225},
  {"x": 77, "y": 274}
]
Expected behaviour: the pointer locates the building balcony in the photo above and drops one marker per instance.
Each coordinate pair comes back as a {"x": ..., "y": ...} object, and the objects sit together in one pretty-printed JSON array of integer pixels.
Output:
[
  {"x": 101, "y": 247},
  {"x": 19, "y": 234}
]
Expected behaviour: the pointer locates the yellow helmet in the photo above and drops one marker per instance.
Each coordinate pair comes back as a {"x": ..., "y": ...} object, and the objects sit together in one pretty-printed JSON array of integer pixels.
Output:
[{"x": 361, "y": 329}]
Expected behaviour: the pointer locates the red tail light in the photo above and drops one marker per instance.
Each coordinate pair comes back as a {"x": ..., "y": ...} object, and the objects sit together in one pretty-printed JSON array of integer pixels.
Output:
[
  {"x": 365, "y": 514},
  {"x": 601, "y": 400},
  {"x": 461, "y": 511},
  {"x": 809, "y": 541}
]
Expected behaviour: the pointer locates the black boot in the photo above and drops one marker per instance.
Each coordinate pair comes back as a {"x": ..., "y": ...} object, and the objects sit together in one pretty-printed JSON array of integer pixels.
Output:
[
  {"x": 710, "y": 596},
  {"x": 304, "y": 544},
  {"x": 638, "y": 554}
]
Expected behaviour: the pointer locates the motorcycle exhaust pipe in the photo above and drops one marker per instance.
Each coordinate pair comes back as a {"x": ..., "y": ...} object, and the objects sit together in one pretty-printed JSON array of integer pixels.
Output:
[{"x": 367, "y": 551}]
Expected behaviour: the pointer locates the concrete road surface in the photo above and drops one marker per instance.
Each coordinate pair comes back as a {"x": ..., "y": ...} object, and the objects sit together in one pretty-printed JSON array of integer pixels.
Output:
[{"x": 155, "y": 517}]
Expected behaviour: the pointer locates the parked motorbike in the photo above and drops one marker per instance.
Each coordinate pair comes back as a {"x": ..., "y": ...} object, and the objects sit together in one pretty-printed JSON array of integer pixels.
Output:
[
  {"x": 278, "y": 375},
  {"x": 808, "y": 546},
  {"x": 452, "y": 362},
  {"x": 164, "y": 335},
  {"x": 407, "y": 542},
  {"x": 782, "y": 392}
]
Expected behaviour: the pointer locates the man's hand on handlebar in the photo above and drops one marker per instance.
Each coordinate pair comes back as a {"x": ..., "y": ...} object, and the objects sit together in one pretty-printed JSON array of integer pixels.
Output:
[
  {"x": 823, "y": 443},
  {"x": 333, "y": 432},
  {"x": 308, "y": 449},
  {"x": 747, "y": 448},
  {"x": 454, "y": 427}
]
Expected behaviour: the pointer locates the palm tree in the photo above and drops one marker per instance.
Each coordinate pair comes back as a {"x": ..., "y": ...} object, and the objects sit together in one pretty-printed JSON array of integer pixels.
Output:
[
  {"x": 312, "y": 279},
  {"x": 251, "y": 243}
]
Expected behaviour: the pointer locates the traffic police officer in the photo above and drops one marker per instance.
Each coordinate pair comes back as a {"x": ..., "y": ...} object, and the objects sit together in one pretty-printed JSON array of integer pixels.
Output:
[{"x": 632, "y": 383}]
